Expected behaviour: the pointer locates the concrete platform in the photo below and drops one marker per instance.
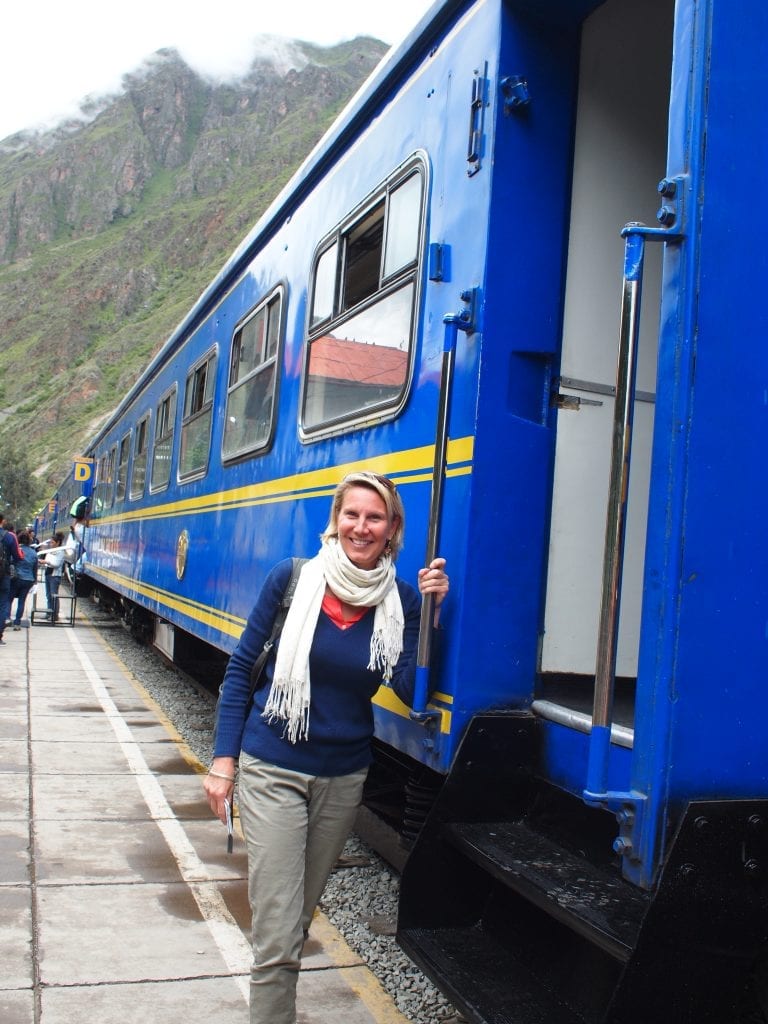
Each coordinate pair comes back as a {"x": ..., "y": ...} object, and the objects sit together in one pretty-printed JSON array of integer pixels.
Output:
[{"x": 118, "y": 901}]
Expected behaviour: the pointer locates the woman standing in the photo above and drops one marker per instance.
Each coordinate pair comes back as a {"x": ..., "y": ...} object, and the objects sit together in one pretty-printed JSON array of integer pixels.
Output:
[
  {"x": 53, "y": 560},
  {"x": 26, "y": 574},
  {"x": 305, "y": 745}
]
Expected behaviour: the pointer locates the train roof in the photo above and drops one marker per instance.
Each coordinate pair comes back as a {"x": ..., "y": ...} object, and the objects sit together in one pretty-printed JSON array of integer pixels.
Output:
[{"x": 357, "y": 113}]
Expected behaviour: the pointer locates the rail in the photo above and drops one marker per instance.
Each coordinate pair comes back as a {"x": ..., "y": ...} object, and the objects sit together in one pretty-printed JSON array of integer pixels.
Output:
[
  {"x": 635, "y": 237},
  {"x": 454, "y": 322}
]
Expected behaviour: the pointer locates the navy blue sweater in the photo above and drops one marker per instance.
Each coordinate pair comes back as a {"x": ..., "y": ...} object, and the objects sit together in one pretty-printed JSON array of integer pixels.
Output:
[{"x": 340, "y": 712}]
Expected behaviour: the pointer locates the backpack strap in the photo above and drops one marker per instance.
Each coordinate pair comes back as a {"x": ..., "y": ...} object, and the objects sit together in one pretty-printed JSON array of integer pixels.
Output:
[
  {"x": 258, "y": 666},
  {"x": 277, "y": 625},
  {"x": 5, "y": 555}
]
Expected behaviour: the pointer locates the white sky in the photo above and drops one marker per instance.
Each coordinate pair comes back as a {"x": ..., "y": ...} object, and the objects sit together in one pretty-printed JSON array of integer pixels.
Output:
[{"x": 56, "y": 53}]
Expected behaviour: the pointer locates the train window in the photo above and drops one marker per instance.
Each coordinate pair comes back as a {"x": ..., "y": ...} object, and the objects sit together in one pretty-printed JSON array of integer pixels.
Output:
[
  {"x": 104, "y": 492},
  {"x": 163, "y": 450},
  {"x": 97, "y": 502},
  {"x": 109, "y": 499},
  {"x": 325, "y": 285},
  {"x": 198, "y": 419},
  {"x": 252, "y": 380},
  {"x": 403, "y": 226},
  {"x": 122, "y": 467},
  {"x": 140, "y": 448},
  {"x": 273, "y": 332},
  {"x": 363, "y": 311},
  {"x": 362, "y": 257}
]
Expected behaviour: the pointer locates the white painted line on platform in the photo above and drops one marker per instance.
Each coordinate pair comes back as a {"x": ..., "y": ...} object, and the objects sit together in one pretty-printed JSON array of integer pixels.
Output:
[{"x": 226, "y": 933}]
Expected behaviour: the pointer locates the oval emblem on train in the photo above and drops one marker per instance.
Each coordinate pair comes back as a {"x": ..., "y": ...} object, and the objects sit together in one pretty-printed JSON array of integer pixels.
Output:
[{"x": 182, "y": 547}]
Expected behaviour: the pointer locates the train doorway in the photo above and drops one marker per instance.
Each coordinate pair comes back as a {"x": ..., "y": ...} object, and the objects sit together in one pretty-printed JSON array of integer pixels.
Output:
[{"x": 619, "y": 157}]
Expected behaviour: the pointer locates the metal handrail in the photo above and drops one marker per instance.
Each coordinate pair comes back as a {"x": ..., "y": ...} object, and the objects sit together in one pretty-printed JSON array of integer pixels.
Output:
[
  {"x": 616, "y": 514},
  {"x": 453, "y": 324}
]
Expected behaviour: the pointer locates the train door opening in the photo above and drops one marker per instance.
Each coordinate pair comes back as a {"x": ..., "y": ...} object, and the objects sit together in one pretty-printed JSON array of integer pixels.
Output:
[{"x": 619, "y": 158}]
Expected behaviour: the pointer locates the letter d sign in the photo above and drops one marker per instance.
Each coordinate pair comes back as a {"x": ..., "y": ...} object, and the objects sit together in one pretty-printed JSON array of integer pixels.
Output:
[{"x": 83, "y": 470}]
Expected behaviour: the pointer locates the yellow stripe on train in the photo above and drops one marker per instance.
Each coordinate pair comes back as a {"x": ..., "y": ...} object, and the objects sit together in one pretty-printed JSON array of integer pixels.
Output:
[{"x": 411, "y": 466}]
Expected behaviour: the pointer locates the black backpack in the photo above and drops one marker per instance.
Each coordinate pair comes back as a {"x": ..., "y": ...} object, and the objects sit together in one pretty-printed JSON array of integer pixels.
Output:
[
  {"x": 257, "y": 671},
  {"x": 5, "y": 556}
]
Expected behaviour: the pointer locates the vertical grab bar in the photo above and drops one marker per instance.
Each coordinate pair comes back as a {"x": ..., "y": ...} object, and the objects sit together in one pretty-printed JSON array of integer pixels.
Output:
[
  {"x": 616, "y": 515},
  {"x": 453, "y": 324}
]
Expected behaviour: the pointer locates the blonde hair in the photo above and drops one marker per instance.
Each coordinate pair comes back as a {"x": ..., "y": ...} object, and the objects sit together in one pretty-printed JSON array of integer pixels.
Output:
[{"x": 386, "y": 490}]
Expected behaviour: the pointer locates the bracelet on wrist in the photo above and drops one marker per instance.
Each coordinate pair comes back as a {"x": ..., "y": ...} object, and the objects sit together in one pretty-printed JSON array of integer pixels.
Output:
[{"x": 220, "y": 775}]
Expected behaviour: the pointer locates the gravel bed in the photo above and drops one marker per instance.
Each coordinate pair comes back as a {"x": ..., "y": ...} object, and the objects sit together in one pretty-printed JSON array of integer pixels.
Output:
[
  {"x": 361, "y": 896},
  {"x": 361, "y": 902}
]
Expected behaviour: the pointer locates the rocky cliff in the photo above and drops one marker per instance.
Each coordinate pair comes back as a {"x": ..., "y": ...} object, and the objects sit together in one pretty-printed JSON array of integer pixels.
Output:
[{"x": 112, "y": 225}]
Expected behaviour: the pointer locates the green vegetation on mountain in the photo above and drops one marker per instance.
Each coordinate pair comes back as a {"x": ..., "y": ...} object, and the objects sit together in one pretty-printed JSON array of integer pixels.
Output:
[{"x": 111, "y": 229}]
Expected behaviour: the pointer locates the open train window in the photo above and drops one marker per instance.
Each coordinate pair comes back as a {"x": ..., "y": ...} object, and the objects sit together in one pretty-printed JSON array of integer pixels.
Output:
[
  {"x": 363, "y": 307},
  {"x": 103, "y": 494},
  {"x": 109, "y": 495},
  {"x": 97, "y": 500},
  {"x": 163, "y": 450},
  {"x": 140, "y": 450},
  {"x": 122, "y": 467},
  {"x": 197, "y": 421},
  {"x": 253, "y": 380}
]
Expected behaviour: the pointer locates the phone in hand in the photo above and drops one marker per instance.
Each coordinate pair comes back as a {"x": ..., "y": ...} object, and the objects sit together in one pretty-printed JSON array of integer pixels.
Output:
[{"x": 230, "y": 830}]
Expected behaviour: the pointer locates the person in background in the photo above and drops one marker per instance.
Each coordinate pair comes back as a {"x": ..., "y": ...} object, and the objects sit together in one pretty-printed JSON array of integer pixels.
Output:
[
  {"x": 304, "y": 745},
  {"x": 75, "y": 542},
  {"x": 53, "y": 560},
  {"x": 10, "y": 556},
  {"x": 23, "y": 581}
]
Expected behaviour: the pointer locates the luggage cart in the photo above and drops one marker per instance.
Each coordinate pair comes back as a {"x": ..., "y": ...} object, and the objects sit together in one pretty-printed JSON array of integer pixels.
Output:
[{"x": 41, "y": 614}]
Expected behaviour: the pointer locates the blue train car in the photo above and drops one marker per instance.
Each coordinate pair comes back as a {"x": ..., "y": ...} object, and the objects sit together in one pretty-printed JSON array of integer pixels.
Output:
[
  {"x": 45, "y": 521},
  {"x": 449, "y": 292}
]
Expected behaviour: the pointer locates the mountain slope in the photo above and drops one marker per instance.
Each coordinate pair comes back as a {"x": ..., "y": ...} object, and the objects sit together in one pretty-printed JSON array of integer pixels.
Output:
[{"x": 111, "y": 229}]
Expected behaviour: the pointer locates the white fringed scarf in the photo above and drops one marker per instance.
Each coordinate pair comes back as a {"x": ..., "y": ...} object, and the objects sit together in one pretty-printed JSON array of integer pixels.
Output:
[{"x": 289, "y": 695}]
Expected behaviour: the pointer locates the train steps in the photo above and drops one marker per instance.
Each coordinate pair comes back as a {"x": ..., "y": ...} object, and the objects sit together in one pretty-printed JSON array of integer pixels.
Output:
[
  {"x": 594, "y": 903},
  {"x": 522, "y": 917}
]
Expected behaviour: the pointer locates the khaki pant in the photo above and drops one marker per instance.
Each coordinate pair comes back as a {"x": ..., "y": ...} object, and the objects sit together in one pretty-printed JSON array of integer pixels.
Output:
[{"x": 295, "y": 827}]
